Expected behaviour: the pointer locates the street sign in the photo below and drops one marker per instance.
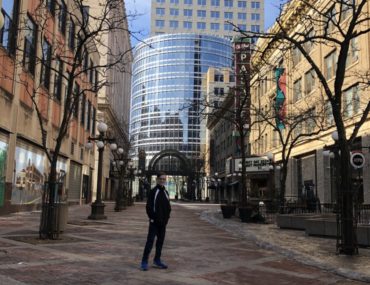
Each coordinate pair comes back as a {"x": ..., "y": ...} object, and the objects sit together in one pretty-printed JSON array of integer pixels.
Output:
[{"x": 357, "y": 160}]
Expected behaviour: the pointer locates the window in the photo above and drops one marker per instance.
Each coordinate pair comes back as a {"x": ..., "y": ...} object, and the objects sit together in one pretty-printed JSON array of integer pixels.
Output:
[
  {"x": 219, "y": 91},
  {"x": 255, "y": 28},
  {"x": 330, "y": 20},
  {"x": 228, "y": 15},
  {"x": 88, "y": 121},
  {"x": 329, "y": 118},
  {"x": 201, "y": 25},
  {"x": 174, "y": 12},
  {"x": 45, "y": 64},
  {"x": 310, "y": 120},
  {"x": 297, "y": 90},
  {"x": 215, "y": 14},
  {"x": 188, "y": 2},
  {"x": 201, "y": 13},
  {"x": 29, "y": 58},
  {"x": 58, "y": 79},
  {"x": 353, "y": 52},
  {"x": 215, "y": 26},
  {"x": 71, "y": 36},
  {"x": 242, "y": 27},
  {"x": 228, "y": 3},
  {"x": 255, "y": 17},
  {"x": 76, "y": 94},
  {"x": 202, "y": 2},
  {"x": 228, "y": 27},
  {"x": 174, "y": 1},
  {"x": 161, "y": 1},
  {"x": 83, "y": 109},
  {"x": 159, "y": 11},
  {"x": 309, "y": 44},
  {"x": 242, "y": 4},
  {"x": 62, "y": 19},
  {"x": 296, "y": 56},
  {"x": 242, "y": 16},
  {"x": 159, "y": 23},
  {"x": 346, "y": 9},
  {"x": 219, "y": 77},
  {"x": 8, "y": 33},
  {"x": 174, "y": 24},
  {"x": 330, "y": 65},
  {"x": 93, "y": 119},
  {"x": 188, "y": 12},
  {"x": 351, "y": 102},
  {"x": 255, "y": 5},
  {"x": 215, "y": 3},
  {"x": 91, "y": 72},
  {"x": 309, "y": 79},
  {"x": 188, "y": 25},
  {"x": 50, "y": 5}
]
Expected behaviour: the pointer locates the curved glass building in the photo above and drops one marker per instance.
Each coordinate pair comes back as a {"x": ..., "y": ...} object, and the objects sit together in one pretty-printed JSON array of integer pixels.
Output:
[{"x": 167, "y": 78}]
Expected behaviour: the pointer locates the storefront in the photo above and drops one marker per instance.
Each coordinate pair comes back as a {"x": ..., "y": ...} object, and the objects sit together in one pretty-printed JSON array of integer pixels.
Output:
[
  {"x": 3, "y": 157},
  {"x": 29, "y": 174},
  {"x": 75, "y": 182}
]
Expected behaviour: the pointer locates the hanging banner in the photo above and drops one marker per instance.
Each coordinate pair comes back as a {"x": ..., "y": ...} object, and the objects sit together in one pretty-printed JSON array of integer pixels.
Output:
[{"x": 280, "y": 108}]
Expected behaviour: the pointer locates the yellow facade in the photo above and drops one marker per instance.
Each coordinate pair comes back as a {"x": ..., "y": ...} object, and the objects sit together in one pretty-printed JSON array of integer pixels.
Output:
[{"x": 305, "y": 93}]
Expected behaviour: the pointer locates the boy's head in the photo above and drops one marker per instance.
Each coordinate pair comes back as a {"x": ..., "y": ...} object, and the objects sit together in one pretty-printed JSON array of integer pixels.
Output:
[{"x": 161, "y": 178}]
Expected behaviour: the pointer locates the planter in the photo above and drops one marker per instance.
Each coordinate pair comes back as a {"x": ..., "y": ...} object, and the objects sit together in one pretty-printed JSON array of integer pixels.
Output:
[
  {"x": 245, "y": 214},
  {"x": 228, "y": 211}
]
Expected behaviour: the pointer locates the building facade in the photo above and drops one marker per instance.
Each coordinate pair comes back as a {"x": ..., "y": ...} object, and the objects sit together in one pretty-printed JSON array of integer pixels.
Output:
[
  {"x": 206, "y": 16},
  {"x": 114, "y": 97},
  {"x": 32, "y": 88},
  {"x": 167, "y": 90},
  {"x": 310, "y": 167}
]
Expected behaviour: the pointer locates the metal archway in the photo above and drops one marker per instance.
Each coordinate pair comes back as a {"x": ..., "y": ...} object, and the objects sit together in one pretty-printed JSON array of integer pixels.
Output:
[{"x": 185, "y": 167}]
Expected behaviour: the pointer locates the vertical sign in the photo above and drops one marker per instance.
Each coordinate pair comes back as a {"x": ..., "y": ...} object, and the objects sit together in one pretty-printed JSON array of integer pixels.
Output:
[{"x": 242, "y": 56}]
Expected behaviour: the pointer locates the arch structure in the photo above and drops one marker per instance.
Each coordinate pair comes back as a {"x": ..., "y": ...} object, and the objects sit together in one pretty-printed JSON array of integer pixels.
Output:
[{"x": 183, "y": 168}]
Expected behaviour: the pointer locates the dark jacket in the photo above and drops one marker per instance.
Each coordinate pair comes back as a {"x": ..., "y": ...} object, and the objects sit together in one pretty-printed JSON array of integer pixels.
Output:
[{"x": 158, "y": 206}]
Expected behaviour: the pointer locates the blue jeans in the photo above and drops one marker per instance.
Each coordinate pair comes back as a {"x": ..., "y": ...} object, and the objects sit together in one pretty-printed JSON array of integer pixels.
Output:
[{"x": 160, "y": 232}]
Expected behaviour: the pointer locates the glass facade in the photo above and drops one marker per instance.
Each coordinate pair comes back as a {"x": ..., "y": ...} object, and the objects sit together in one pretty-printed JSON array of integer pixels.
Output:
[{"x": 166, "y": 85}]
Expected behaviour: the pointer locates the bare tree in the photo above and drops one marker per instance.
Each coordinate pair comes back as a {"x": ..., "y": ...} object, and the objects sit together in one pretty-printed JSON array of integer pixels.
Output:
[
  {"x": 68, "y": 60},
  {"x": 336, "y": 26},
  {"x": 293, "y": 125}
]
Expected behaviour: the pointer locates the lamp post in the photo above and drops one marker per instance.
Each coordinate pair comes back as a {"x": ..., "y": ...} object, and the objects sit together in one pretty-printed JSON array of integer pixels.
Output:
[
  {"x": 120, "y": 164},
  {"x": 131, "y": 170},
  {"x": 346, "y": 235},
  {"x": 97, "y": 208}
]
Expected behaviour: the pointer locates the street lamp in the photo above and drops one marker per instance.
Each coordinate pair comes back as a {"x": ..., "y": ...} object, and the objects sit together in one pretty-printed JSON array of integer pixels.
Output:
[
  {"x": 97, "y": 208},
  {"x": 346, "y": 239},
  {"x": 131, "y": 170},
  {"x": 119, "y": 164}
]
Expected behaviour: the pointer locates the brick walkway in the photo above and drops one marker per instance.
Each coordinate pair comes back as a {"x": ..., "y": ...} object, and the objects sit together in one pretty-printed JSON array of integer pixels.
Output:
[{"x": 109, "y": 252}]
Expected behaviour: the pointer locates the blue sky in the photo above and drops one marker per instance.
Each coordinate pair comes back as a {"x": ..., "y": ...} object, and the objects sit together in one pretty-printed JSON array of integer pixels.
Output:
[{"x": 140, "y": 25}]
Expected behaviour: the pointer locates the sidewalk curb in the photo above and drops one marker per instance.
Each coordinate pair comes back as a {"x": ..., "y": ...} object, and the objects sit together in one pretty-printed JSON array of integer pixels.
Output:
[{"x": 238, "y": 230}]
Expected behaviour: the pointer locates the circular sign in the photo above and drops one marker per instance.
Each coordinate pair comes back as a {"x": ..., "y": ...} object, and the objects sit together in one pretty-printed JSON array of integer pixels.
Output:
[{"x": 357, "y": 160}]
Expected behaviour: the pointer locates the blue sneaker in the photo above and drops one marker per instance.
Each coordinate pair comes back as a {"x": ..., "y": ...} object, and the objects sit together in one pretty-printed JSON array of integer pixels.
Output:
[
  {"x": 159, "y": 264},
  {"x": 144, "y": 266}
]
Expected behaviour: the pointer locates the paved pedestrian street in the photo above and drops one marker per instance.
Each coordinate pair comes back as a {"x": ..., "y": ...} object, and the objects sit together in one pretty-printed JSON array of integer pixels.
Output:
[{"x": 109, "y": 252}]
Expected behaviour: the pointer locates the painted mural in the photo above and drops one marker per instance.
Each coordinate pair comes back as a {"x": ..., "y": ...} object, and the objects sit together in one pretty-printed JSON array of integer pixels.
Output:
[
  {"x": 3, "y": 156},
  {"x": 29, "y": 176}
]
